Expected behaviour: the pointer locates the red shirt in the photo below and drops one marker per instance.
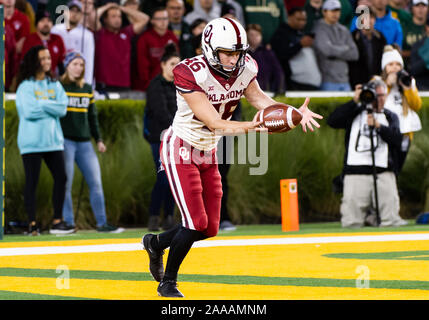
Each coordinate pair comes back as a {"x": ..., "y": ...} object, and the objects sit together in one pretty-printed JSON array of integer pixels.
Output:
[
  {"x": 55, "y": 46},
  {"x": 10, "y": 56},
  {"x": 113, "y": 57},
  {"x": 19, "y": 23},
  {"x": 150, "y": 48}
]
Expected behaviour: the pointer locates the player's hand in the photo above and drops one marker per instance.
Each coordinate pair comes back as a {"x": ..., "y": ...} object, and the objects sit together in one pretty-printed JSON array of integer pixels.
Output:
[
  {"x": 308, "y": 117},
  {"x": 256, "y": 126},
  {"x": 256, "y": 117}
]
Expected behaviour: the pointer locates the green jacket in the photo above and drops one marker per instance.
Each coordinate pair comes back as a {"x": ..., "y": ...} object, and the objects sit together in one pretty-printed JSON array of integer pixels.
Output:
[
  {"x": 81, "y": 121},
  {"x": 269, "y": 14}
]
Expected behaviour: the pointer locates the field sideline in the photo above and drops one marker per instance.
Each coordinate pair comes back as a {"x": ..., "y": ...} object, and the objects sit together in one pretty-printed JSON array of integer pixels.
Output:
[{"x": 321, "y": 261}]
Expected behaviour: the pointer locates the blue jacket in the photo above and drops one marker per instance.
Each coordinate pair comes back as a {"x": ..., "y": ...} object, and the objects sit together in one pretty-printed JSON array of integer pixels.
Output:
[
  {"x": 388, "y": 26},
  {"x": 40, "y": 105}
]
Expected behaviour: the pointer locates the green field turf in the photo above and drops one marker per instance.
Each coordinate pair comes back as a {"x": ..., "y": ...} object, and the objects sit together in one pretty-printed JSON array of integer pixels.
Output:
[{"x": 244, "y": 230}]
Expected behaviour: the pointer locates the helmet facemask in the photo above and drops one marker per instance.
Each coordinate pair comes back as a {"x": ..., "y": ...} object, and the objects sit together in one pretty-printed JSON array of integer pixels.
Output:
[{"x": 223, "y": 69}]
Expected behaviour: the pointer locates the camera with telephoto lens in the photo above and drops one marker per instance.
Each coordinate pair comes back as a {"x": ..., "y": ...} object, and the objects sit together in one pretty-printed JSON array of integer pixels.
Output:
[
  {"x": 368, "y": 94},
  {"x": 404, "y": 77}
]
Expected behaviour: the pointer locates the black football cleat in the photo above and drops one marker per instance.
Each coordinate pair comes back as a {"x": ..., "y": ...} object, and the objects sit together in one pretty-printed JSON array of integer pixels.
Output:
[
  {"x": 169, "y": 289},
  {"x": 156, "y": 265}
]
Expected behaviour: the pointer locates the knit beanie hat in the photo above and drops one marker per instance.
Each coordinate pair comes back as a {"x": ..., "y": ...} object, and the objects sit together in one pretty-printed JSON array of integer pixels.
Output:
[
  {"x": 391, "y": 55},
  {"x": 71, "y": 56}
]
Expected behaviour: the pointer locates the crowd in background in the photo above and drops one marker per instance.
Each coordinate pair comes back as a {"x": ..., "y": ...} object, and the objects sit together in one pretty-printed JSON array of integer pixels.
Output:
[
  {"x": 299, "y": 44},
  {"x": 331, "y": 45}
]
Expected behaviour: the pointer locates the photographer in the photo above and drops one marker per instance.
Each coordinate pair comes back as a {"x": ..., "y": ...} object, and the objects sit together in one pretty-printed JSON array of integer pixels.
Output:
[
  {"x": 360, "y": 116},
  {"x": 403, "y": 98}
]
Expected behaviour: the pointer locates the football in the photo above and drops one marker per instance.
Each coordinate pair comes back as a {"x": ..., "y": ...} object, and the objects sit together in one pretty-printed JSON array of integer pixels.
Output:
[{"x": 279, "y": 117}]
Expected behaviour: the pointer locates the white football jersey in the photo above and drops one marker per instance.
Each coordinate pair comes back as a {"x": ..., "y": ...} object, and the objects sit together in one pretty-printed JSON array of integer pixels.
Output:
[{"x": 194, "y": 74}]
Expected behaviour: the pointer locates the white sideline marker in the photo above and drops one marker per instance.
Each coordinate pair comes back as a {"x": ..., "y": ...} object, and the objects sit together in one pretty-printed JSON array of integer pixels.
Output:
[{"x": 24, "y": 251}]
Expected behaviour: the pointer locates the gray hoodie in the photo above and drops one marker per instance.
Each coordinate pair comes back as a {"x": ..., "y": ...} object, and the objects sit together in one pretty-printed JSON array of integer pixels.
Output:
[
  {"x": 199, "y": 13},
  {"x": 334, "y": 47}
]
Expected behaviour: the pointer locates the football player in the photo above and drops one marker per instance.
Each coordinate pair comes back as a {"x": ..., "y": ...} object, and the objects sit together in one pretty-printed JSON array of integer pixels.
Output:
[{"x": 209, "y": 87}]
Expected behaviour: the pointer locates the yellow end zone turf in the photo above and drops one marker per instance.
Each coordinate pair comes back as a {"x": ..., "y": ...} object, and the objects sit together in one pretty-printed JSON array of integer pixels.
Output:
[{"x": 386, "y": 264}]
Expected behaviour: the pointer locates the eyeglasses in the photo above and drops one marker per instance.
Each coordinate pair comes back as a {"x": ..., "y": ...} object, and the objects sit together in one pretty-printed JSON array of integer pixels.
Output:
[{"x": 160, "y": 19}]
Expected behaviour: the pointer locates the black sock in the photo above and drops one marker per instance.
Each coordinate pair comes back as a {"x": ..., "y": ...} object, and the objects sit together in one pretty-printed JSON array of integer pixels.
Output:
[
  {"x": 163, "y": 240},
  {"x": 179, "y": 248}
]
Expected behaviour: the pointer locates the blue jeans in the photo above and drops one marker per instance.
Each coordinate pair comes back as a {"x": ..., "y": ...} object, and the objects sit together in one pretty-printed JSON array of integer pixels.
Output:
[
  {"x": 330, "y": 86},
  {"x": 86, "y": 159},
  {"x": 161, "y": 192}
]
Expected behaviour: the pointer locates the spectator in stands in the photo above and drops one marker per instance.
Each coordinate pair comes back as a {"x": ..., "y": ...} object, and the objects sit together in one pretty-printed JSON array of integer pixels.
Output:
[
  {"x": 358, "y": 166},
  {"x": 161, "y": 106},
  {"x": 132, "y": 4},
  {"x": 313, "y": 8},
  {"x": 403, "y": 99},
  {"x": 347, "y": 13},
  {"x": 26, "y": 8},
  {"x": 41, "y": 102},
  {"x": 289, "y": 4},
  {"x": 77, "y": 38},
  {"x": 294, "y": 50},
  {"x": 335, "y": 47},
  {"x": 43, "y": 36},
  {"x": 92, "y": 16},
  {"x": 385, "y": 23},
  {"x": 176, "y": 11},
  {"x": 79, "y": 125},
  {"x": 204, "y": 9},
  {"x": 419, "y": 61},
  {"x": 196, "y": 44},
  {"x": 113, "y": 48},
  {"x": 228, "y": 11},
  {"x": 198, "y": 26},
  {"x": 268, "y": 14},
  {"x": 10, "y": 59},
  {"x": 370, "y": 44},
  {"x": 272, "y": 79},
  {"x": 238, "y": 9},
  {"x": 150, "y": 47},
  {"x": 17, "y": 21},
  {"x": 398, "y": 12},
  {"x": 414, "y": 30}
]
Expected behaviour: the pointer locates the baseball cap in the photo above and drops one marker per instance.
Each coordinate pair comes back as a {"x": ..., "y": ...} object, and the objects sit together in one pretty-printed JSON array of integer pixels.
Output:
[
  {"x": 332, "y": 5},
  {"x": 74, "y": 3}
]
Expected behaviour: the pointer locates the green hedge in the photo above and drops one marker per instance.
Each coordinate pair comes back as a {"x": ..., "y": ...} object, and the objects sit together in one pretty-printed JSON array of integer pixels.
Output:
[{"x": 128, "y": 171}]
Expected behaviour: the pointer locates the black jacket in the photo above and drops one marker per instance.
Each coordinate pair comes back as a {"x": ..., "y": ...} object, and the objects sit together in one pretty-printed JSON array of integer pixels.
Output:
[
  {"x": 161, "y": 106},
  {"x": 342, "y": 118},
  {"x": 286, "y": 44},
  {"x": 417, "y": 67},
  {"x": 359, "y": 73}
]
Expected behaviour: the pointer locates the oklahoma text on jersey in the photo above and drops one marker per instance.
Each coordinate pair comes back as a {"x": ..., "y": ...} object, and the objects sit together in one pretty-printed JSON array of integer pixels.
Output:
[{"x": 194, "y": 74}]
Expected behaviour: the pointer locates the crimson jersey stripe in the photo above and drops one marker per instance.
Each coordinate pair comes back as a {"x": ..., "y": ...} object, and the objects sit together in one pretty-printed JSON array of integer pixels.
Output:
[{"x": 237, "y": 31}]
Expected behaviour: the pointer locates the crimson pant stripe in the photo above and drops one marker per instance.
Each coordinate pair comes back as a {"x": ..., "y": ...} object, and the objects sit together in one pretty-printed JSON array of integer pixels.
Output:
[
  {"x": 167, "y": 166},
  {"x": 237, "y": 31}
]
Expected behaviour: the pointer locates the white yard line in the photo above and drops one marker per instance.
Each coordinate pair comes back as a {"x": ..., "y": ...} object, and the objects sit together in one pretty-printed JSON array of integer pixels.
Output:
[{"x": 24, "y": 251}]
